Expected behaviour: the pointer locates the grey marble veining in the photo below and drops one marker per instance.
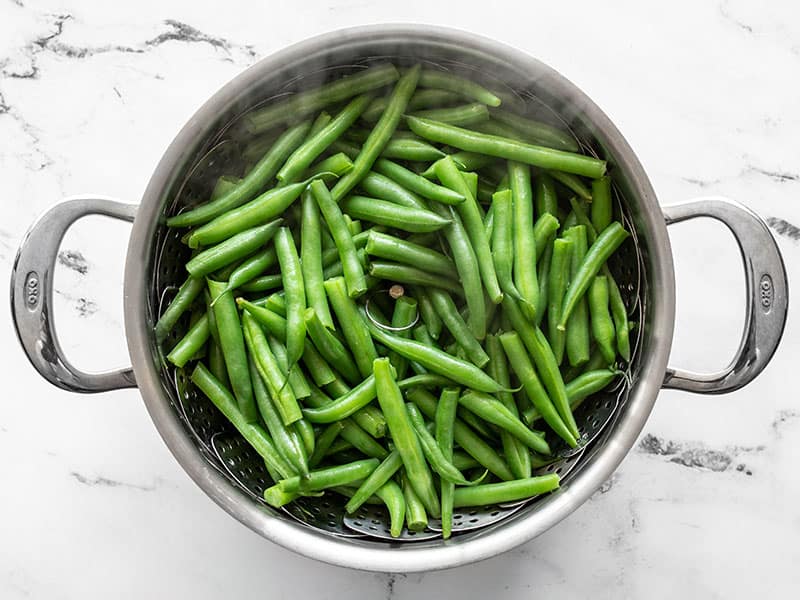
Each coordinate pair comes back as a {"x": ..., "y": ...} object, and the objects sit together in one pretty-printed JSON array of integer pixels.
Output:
[{"x": 705, "y": 505}]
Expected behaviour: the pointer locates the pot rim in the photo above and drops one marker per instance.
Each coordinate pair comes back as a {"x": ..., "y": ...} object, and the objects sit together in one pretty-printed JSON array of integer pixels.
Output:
[{"x": 401, "y": 557}]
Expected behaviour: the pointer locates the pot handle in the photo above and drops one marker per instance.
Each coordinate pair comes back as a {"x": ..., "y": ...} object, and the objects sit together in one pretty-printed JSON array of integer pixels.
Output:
[
  {"x": 32, "y": 295},
  {"x": 766, "y": 295}
]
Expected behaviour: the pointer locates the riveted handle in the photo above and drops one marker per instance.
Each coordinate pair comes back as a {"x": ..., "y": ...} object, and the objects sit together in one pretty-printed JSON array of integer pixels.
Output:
[
  {"x": 32, "y": 295},
  {"x": 766, "y": 296}
]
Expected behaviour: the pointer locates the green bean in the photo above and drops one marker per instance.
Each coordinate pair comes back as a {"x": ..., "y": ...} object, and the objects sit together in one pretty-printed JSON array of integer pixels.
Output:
[
  {"x": 482, "y": 428},
  {"x": 536, "y": 131},
  {"x": 602, "y": 209},
  {"x": 232, "y": 343},
  {"x": 239, "y": 246},
  {"x": 500, "y": 147},
  {"x": 577, "y": 334},
  {"x": 392, "y": 248},
  {"x": 416, "y": 517},
  {"x": 262, "y": 284},
  {"x": 311, "y": 260},
  {"x": 336, "y": 269},
  {"x": 534, "y": 390},
  {"x": 393, "y": 215},
  {"x": 602, "y": 324},
  {"x": 182, "y": 300},
  {"x": 252, "y": 184},
  {"x": 543, "y": 276},
  {"x": 331, "y": 349},
  {"x": 284, "y": 443},
  {"x": 274, "y": 322},
  {"x": 519, "y": 177},
  {"x": 392, "y": 496},
  {"x": 447, "y": 172},
  {"x": 410, "y": 275},
  {"x": 492, "y": 410},
  {"x": 587, "y": 384},
  {"x": 292, "y": 275},
  {"x": 309, "y": 101},
  {"x": 190, "y": 343},
  {"x": 384, "y": 188},
  {"x": 572, "y": 182},
  {"x": 467, "y": 114},
  {"x": 415, "y": 183},
  {"x": 437, "y": 361},
  {"x": 424, "y": 380},
  {"x": 335, "y": 165},
  {"x": 380, "y": 135},
  {"x": 258, "y": 211},
  {"x": 448, "y": 313},
  {"x": 433, "y": 453},
  {"x": 305, "y": 431},
  {"x": 297, "y": 380},
  {"x": 445, "y": 420},
  {"x": 464, "y": 462},
  {"x": 276, "y": 380},
  {"x": 252, "y": 268},
  {"x": 502, "y": 250},
  {"x": 468, "y": 271},
  {"x": 216, "y": 361},
  {"x": 619, "y": 312},
  {"x": 580, "y": 388},
  {"x": 369, "y": 418},
  {"x": 317, "y": 125},
  {"x": 517, "y": 455},
  {"x": 404, "y": 316},
  {"x": 542, "y": 354},
  {"x": 352, "y": 432},
  {"x": 227, "y": 182},
  {"x": 471, "y": 443},
  {"x": 391, "y": 402},
  {"x": 356, "y": 332},
  {"x": 302, "y": 158},
  {"x": 344, "y": 406},
  {"x": 443, "y": 80},
  {"x": 543, "y": 233},
  {"x": 466, "y": 161},
  {"x": 506, "y": 491},
  {"x": 432, "y": 321},
  {"x": 320, "y": 480},
  {"x": 346, "y": 147},
  {"x": 544, "y": 193},
  {"x": 253, "y": 433},
  {"x": 324, "y": 442},
  {"x": 559, "y": 278},
  {"x": 420, "y": 99},
  {"x": 587, "y": 267},
  {"x": 583, "y": 219},
  {"x": 353, "y": 272},
  {"x": 382, "y": 473},
  {"x": 420, "y": 150}
]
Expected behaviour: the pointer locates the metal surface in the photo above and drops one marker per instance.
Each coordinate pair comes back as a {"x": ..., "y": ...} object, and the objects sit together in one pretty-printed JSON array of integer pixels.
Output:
[
  {"x": 766, "y": 296},
  {"x": 643, "y": 267},
  {"x": 32, "y": 295}
]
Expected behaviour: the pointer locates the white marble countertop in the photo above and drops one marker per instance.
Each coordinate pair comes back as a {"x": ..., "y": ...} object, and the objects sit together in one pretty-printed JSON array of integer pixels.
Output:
[{"x": 92, "y": 505}]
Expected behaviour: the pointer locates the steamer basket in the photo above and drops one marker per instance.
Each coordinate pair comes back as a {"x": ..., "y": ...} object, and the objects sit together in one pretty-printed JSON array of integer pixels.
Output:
[{"x": 217, "y": 458}]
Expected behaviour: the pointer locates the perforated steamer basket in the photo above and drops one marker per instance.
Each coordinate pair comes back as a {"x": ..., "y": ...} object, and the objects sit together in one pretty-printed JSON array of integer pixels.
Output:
[{"x": 207, "y": 448}]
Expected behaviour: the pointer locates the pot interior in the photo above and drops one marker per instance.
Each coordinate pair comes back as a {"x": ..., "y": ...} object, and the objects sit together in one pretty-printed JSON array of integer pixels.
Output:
[{"x": 216, "y": 148}]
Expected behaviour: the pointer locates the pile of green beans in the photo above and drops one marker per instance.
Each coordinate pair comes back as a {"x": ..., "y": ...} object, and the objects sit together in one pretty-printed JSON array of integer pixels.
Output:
[{"x": 405, "y": 297}]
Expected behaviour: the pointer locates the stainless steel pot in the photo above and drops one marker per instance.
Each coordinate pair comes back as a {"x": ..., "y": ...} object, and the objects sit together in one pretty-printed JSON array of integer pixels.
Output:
[{"x": 148, "y": 271}]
